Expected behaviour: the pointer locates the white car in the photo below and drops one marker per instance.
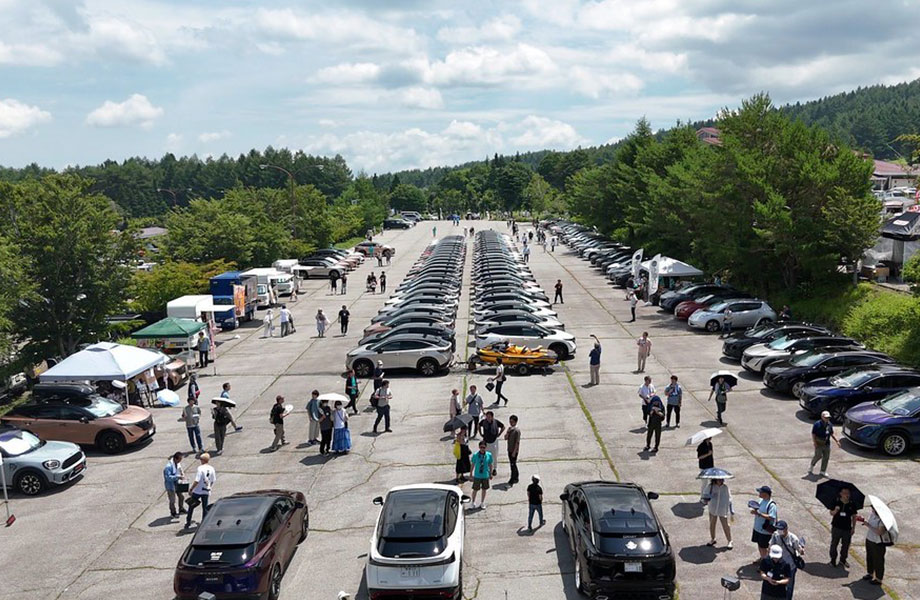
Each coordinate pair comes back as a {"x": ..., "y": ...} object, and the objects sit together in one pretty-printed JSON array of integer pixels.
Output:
[
  {"x": 401, "y": 297},
  {"x": 417, "y": 544},
  {"x": 512, "y": 305},
  {"x": 746, "y": 312},
  {"x": 524, "y": 334},
  {"x": 426, "y": 355},
  {"x": 518, "y": 315}
]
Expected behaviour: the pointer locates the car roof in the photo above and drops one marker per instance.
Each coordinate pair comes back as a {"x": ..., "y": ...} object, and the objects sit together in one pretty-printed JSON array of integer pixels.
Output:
[
  {"x": 440, "y": 342},
  {"x": 234, "y": 521},
  {"x": 427, "y": 486},
  {"x": 890, "y": 369}
]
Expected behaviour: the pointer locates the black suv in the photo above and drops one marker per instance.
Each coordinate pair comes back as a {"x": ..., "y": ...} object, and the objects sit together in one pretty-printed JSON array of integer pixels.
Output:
[
  {"x": 619, "y": 546},
  {"x": 789, "y": 375},
  {"x": 396, "y": 224},
  {"x": 735, "y": 345}
]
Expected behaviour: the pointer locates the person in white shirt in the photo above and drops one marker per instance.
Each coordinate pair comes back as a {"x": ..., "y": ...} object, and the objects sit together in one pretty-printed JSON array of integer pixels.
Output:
[
  {"x": 499, "y": 381},
  {"x": 646, "y": 391},
  {"x": 645, "y": 349},
  {"x": 205, "y": 478},
  {"x": 269, "y": 323},
  {"x": 285, "y": 320},
  {"x": 718, "y": 499}
]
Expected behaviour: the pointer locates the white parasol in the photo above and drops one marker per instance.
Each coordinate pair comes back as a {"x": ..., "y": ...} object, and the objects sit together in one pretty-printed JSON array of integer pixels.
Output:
[
  {"x": 333, "y": 397},
  {"x": 222, "y": 400},
  {"x": 887, "y": 517},
  {"x": 697, "y": 438}
]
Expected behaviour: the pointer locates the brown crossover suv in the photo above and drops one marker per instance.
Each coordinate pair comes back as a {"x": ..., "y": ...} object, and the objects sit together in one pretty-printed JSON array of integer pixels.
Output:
[{"x": 75, "y": 413}]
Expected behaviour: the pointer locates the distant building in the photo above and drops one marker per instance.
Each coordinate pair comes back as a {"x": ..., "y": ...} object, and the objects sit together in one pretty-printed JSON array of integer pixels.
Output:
[
  {"x": 889, "y": 175},
  {"x": 709, "y": 135},
  {"x": 148, "y": 237}
]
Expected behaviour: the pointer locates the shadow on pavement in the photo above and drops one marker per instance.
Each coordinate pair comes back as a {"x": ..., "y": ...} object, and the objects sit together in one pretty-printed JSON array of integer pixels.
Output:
[
  {"x": 863, "y": 590},
  {"x": 698, "y": 555},
  {"x": 822, "y": 569},
  {"x": 688, "y": 510},
  {"x": 565, "y": 563}
]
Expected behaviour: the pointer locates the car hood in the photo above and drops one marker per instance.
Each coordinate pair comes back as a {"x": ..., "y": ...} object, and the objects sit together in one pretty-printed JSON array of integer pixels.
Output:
[
  {"x": 132, "y": 414},
  {"x": 52, "y": 450},
  {"x": 761, "y": 350},
  {"x": 870, "y": 414},
  {"x": 823, "y": 387},
  {"x": 705, "y": 314}
]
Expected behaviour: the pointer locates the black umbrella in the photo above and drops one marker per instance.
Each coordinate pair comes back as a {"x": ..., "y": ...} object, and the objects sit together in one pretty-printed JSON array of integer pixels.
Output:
[
  {"x": 458, "y": 422},
  {"x": 730, "y": 378},
  {"x": 828, "y": 492}
]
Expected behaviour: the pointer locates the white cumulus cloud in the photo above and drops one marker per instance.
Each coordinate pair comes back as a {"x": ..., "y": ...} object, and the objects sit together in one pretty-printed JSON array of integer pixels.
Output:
[
  {"x": 213, "y": 136},
  {"x": 135, "y": 111},
  {"x": 16, "y": 117},
  {"x": 421, "y": 97},
  {"x": 541, "y": 132},
  {"x": 348, "y": 73},
  {"x": 501, "y": 28}
]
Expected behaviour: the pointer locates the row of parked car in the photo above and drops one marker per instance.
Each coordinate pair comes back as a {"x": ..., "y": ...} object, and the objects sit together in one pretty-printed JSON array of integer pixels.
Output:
[{"x": 415, "y": 328}]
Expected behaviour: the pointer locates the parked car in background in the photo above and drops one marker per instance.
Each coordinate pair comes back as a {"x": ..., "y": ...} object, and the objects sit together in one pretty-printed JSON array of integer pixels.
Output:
[
  {"x": 745, "y": 313},
  {"x": 173, "y": 369},
  {"x": 370, "y": 248},
  {"x": 397, "y": 224},
  {"x": 891, "y": 425},
  {"x": 839, "y": 393},
  {"x": 530, "y": 335},
  {"x": 787, "y": 376},
  {"x": 759, "y": 356},
  {"x": 670, "y": 299},
  {"x": 428, "y": 356},
  {"x": 31, "y": 465},
  {"x": 686, "y": 308},
  {"x": 243, "y": 546},
  {"x": 735, "y": 345}
]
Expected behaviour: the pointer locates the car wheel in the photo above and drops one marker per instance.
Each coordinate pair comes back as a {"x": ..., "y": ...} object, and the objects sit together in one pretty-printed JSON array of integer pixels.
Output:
[
  {"x": 111, "y": 442},
  {"x": 428, "y": 367},
  {"x": 712, "y": 326},
  {"x": 560, "y": 351},
  {"x": 838, "y": 412},
  {"x": 523, "y": 369},
  {"x": 30, "y": 483},
  {"x": 895, "y": 444},
  {"x": 304, "y": 527},
  {"x": 274, "y": 583},
  {"x": 363, "y": 368},
  {"x": 579, "y": 580},
  {"x": 797, "y": 387},
  {"x": 473, "y": 363}
]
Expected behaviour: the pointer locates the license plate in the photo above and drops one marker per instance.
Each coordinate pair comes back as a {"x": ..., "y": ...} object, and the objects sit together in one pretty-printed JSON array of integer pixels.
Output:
[
  {"x": 410, "y": 572},
  {"x": 633, "y": 567},
  {"x": 78, "y": 468},
  {"x": 212, "y": 579}
]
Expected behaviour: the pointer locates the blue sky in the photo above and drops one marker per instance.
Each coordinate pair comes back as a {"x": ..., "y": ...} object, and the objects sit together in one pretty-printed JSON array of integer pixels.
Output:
[{"x": 406, "y": 83}]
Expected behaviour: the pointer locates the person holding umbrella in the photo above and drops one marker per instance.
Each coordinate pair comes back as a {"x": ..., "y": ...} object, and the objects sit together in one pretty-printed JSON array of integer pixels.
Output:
[
  {"x": 704, "y": 455},
  {"x": 222, "y": 417},
  {"x": 843, "y": 524},
  {"x": 722, "y": 384},
  {"x": 881, "y": 532},
  {"x": 718, "y": 500}
]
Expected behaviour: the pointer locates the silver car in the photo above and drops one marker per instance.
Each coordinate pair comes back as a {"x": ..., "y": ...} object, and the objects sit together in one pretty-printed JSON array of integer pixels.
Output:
[
  {"x": 31, "y": 465},
  {"x": 746, "y": 312},
  {"x": 426, "y": 355}
]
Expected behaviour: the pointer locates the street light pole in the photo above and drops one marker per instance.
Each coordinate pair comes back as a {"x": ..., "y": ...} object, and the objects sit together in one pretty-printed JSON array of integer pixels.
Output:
[
  {"x": 293, "y": 202},
  {"x": 173, "y": 192}
]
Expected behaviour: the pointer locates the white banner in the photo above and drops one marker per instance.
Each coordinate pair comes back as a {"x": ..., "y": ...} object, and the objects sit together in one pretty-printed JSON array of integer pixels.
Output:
[
  {"x": 653, "y": 270},
  {"x": 636, "y": 259}
]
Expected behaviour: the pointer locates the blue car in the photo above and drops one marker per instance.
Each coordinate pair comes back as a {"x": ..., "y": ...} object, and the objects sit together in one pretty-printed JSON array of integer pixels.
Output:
[
  {"x": 863, "y": 384},
  {"x": 892, "y": 425}
]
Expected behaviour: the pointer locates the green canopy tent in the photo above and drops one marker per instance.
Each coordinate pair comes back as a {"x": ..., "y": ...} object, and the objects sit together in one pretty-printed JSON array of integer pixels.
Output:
[{"x": 169, "y": 333}]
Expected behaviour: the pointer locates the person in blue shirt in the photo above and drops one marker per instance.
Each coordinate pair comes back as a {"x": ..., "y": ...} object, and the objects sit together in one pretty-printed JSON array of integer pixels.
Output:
[
  {"x": 765, "y": 511},
  {"x": 675, "y": 395},
  {"x": 821, "y": 434},
  {"x": 172, "y": 475},
  {"x": 482, "y": 473},
  {"x": 594, "y": 361}
]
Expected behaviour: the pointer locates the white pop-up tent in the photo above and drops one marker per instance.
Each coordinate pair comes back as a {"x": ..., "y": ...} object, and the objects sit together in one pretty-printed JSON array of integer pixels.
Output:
[
  {"x": 671, "y": 267},
  {"x": 104, "y": 361}
]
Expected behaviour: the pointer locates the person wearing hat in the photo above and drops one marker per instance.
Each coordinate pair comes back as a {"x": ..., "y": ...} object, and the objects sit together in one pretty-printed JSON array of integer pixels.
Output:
[
  {"x": 774, "y": 573},
  {"x": 225, "y": 393},
  {"x": 655, "y": 419},
  {"x": 277, "y": 420},
  {"x": 793, "y": 549},
  {"x": 535, "y": 501},
  {"x": 821, "y": 434},
  {"x": 843, "y": 524},
  {"x": 763, "y": 514}
]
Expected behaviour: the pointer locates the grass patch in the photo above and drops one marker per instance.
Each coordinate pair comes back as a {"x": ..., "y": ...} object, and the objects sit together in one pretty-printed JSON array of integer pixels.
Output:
[
  {"x": 349, "y": 243},
  {"x": 587, "y": 413}
]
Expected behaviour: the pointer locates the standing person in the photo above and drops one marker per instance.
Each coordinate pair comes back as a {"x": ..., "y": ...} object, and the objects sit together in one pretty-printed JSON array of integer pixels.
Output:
[
  {"x": 675, "y": 395},
  {"x": 594, "y": 361},
  {"x": 388, "y": 255},
  {"x": 646, "y": 391},
  {"x": 277, "y": 417},
  {"x": 491, "y": 429},
  {"x": 454, "y": 407},
  {"x": 193, "y": 390},
  {"x": 822, "y": 432},
  {"x": 793, "y": 550},
  {"x": 482, "y": 473},
  {"x": 313, "y": 417},
  {"x": 372, "y": 283},
  {"x": 774, "y": 573},
  {"x": 434, "y": 231},
  {"x": 204, "y": 348},
  {"x": 344, "y": 282},
  {"x": 325, "y": 427},
  {"x": 268, "y": 324},
  {"x": 383, "y": 396},
  {"x": 351, "y": 390},
  {"x": 341, "y": 436},
  {"x": 526, "y": 253},
  {"x": 513, "y": 442},
  {"x": 285, "y": 316},
  {"x": 543, "y": 243},
  {"x": 876, "y": 536},
  {"x": 383, "y": 282},
  {"x": 718, "y": 499},
  {"x": 333, "y": 281},
  {"x": 552, "y": 244},
  {"x": 191, "y": 414},
  {"x": 655, "y": 417},
  {"x": 499, "y": 380},
  {"x": 534, "y": 502},
  {"x": 785, "y": 314},
  {"x": 173, "y": 474},
  {"x": 843, "y": 525},
  {"x": 462, "y": 454},
  {"x": 344, "y": 316},
  {"x": 705, "y": 460},
  {"x": 295, "y": 287},
  {"x": 644, "y": 346},
  {"x": 720, "y": 390},
  {"x": 222, "y": 417},
  {"x": 379, "y": 255},
  {"x": 321, "y": 323},
  {"x": 765, "y": 513},
  {"x": 205, "y": 478},
  {"x": 225, "y": 393},
  {"x": 557, "y": 296},
  {"x": 378, "y": 375},
  {"x": 726, "y": 323},
  {"x": 474, "y": 405},
  {"x": 633, "y": 302}
]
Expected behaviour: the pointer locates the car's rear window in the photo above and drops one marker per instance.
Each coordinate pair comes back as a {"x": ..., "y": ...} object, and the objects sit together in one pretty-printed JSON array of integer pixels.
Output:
[
  {"x": 414, "y": 514},
  {"x": 621, "y": 511},
  {"x": 220, "y": 555}
]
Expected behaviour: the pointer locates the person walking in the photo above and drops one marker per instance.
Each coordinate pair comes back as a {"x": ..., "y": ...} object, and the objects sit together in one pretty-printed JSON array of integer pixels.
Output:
[
  {"x": 655, "y": 417},
  {"x": 173, "y": 475},
  {"x": 793, "y": 551},
  {"x": 325, "y": 427},
  {"x": 193, "y": 389},
  {"x": 268, "y": 324},
  {"x": 378, "y": 375},
  {"x": 205, "y": 478},
  {"x": 526, "y": 253},
  {"x": 704, "y": 458},
  {"x": 379, "y": 255},
  {"x": 454, "y": 408},
  {"x": 383, "y": 396},
  {"x": 675, "y": 395},
  {"x": 774, "y": 573},
  {"x": 462, "y": 455},
  {"x": 314, "y": 414},
  {"x": 491, "y": 430},
  {"x": 351, "y": 390},
  {"x": 594, "y": 361},
  {"x": 764, "y": 513},
  {"x": 474, "y": 404},
  {"x": 341, "y": 436},
  {"x": 646, "y": 391},
  {"x": 344, "y": 316},
  {"x": 481, "y": 473},
  {"x": 718, "y": 500},
  {"x": 204, "y": 349},
  {"x": 285, "y": 317},
  {"x": 191, "y": 415},
  {"x": 552, "y": 244},
  {"x": 822, "y": 432},
  {"x": 277, "y": 416},
  {"x": 344, "y": 283},
  {"x": 633, "y": 302},
  {"x": 372, "y": 283},
  {"x": 225, "y": 393},
  {"x": 499, "y": 380},
  {"x": 388, "y": 255},
  {"x": 727, "y": 318},
  {"x": 513, "y": 443},
  {"x": 534, "y": 502},
  {"x": 222, "y": 417},
  {"x": 843, "y": 525},
  {"x": 321, "y": 323},
  {"x": 383, "y": 282},
  {"x": 557, "y": 296},
  {"x": 720, "y": 390},
  {"x": 333, "y": 281},
  {"x": 644, "y": 347},
  {"x": 876, "y": 539}
]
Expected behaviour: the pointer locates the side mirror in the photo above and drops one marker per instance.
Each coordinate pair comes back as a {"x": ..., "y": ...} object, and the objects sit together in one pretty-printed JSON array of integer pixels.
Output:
[
  {"x": 464, "y": 499},
  {"x": 564, "y": 496},
  {"x": 84, "y": 420},
  {"x": 379, "y": 351},
  {"x": 652, "y": 495},
  {"x": 378, "y": 500},
  {"x": 299, "y": 505}
]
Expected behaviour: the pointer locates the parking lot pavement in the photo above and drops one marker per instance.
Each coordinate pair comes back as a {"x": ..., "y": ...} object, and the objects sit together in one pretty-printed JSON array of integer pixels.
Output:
[{"x": 109, "y": 534}]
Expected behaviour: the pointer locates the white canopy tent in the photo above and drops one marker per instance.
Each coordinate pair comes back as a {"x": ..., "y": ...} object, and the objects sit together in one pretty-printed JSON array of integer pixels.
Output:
[
  {"x": 671, "y": 267},
  {"x": 104, "y": 361}
]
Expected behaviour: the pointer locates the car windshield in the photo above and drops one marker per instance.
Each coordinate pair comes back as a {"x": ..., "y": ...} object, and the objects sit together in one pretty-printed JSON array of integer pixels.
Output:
[
  {"x": 18, "y": 442},
  {"x": 103, "y": 407},
  {"x": 782, "y": 343},
  {"x": 617, "y": 511},
  {"x": 414, "y": 514},
  {"x": 761, "y": 330},
  {"x": 853, "y": 378},
  {"x": 903, "y": 404},
  {"x": 808, "y": 358}
]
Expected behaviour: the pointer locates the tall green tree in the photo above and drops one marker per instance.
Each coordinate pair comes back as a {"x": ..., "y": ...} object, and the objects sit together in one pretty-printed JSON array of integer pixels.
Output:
[
  {"x": 15, "y": 288},
  {"x": 406, "y": 196}
]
